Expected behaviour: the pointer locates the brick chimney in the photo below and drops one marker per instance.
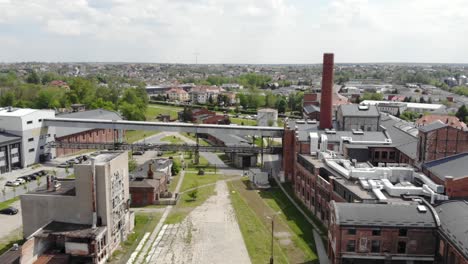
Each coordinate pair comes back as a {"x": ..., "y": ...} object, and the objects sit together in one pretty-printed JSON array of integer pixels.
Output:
[
  {"x": 327, "y": 92},
  {"x": 150, "y": 171}
]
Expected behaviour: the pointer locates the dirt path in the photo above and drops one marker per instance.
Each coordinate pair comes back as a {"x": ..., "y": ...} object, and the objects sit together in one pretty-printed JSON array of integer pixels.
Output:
[{"x": 209, "y": 234}]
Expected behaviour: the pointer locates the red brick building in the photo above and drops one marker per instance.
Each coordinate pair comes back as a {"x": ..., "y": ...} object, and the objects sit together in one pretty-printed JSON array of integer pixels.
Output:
[
  {"x": 439, "y": 140},
  {"x": 380, "y": 233},
  {"x": 85, "y": 135}
]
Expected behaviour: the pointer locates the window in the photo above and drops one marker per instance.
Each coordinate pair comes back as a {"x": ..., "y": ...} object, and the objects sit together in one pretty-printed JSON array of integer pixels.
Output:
[
  {"x": 392, "y": 155},
  {"x": 31, "y": 150},
  {"x": 401, "y": 247},
  {"x": 42, "y": 147},
  {"x": 375, "y": 246},
  {"x": 40, "y": 120},
  {"x": 48, "y": 135},
  {"x": 351, "y": 246},
  {"x": 376, "y": 154},
  {"x": 351, "y": 231},
  {"x": 402, "y": 232},
  {"x": 29, "y": 122},
  {"x": 30, "y": 139},
  {"x": 384, "y": 155},
  {"x": 376, "y": 232}
]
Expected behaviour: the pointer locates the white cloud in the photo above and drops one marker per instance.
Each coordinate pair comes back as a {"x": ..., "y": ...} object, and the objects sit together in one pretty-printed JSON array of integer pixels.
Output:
[{"x": 254, "y": 31}]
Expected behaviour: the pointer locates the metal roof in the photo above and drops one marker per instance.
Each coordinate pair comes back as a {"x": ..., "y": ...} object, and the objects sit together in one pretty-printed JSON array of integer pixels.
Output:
[
  {"x": 403, "y": 134},
  {"x": 454, "y": 166},
  {"x": 432, "y": 126},
  {"x": 353, "y": 110},
  {"x": 453, "y": 217},
  {"x": 101, "y": 114},
  {"x": 383, "y": 215},
  {"x": 6, "y": 138}
]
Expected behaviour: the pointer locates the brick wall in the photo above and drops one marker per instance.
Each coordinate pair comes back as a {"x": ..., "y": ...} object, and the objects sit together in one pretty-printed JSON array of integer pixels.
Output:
[
  {"x": 90, "y": 136},
  {"x": 441, "y": 143}
]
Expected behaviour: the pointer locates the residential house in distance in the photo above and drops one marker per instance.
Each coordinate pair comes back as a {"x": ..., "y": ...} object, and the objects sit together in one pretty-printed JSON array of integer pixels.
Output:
[
  {"x": 452, "y": 121},
  {"x": 86, "y": 135},
  {"x": 178, "y": 95},
  {"x": 81, "y": 219},
  {"x": 149, "y": 182},
  {"x": 202, "y": 94}
]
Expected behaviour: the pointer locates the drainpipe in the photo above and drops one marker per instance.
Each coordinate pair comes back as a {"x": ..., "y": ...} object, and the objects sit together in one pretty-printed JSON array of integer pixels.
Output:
[{"x": 93, "y": 191}]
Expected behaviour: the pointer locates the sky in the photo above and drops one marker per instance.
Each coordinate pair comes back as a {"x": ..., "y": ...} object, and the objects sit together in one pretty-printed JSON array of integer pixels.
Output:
[{"x": 234, "y": 31}]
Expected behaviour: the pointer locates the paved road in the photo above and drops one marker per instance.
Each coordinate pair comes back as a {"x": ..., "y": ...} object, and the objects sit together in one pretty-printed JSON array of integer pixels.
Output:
[{"x": 10, "y": 223}]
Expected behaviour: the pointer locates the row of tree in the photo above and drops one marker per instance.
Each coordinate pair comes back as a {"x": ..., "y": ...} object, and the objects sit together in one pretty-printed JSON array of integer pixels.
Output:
[{"x": 35, "y": 91}]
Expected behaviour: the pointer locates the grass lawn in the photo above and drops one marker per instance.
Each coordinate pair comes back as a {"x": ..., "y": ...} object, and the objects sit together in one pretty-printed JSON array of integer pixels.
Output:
[
  {"x": 15, "y": 237},
  {"x": 135, "y": 135},
  {"x": 8, "y": 203},
  {"x": 201, "y": 141},
  {"x": 172, "y": 140},
  {"x": 186, "y": 203},
  {"x": 154, "y": 110},
  {"x": 293, "y": 234},
  {"x": 243, "y": 122},
  {"x": 144, "y": 222},
  {"x": 256, "y": 233}
]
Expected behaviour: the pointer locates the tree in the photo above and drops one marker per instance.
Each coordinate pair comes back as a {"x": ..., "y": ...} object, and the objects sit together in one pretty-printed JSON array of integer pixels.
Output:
[
  {"x": 175, "y": 168},
  {"x": 421, "y": 100},
  {"x": 281, "y": 105},
  {"x": 193, "y": 193},
  {"x": 409, "y": 116},
  {"x": 462, "y": 113},
  {"x": 8, "y": 99},
  {"x": 33, "y": 77},
  {"x": 132, "y": 112},
  {"x": 132, "y": 165}
]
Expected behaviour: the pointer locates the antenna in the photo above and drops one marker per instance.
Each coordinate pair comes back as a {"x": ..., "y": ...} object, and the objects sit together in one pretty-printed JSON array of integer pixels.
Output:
[{"x": 196, "y": 56}]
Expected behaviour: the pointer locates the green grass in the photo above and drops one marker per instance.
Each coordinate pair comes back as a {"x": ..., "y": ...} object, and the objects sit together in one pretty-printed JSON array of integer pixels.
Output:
[
  {"x": 257, "y": 236},
  {"x": 192, "y": 179},
  {"x": 243, "y": 122},
  {"x": 15, "y": 237},
  {"x": 135, "y": 135},
  {"x": 302, "y": 229},
  {"x": 201, "y": 141},
  {"x": 154, "y": 110},
  {"x": 173, "y": 140},
  {"x": 144, "y": 222},
  {"x": 8, "y": 203}
]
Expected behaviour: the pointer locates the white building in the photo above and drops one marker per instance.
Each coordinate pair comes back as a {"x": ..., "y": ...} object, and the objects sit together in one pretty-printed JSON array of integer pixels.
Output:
[
  {"x": 27, "y": 124},
  {"x": 267, "y": 117},
  {"x": 416, "y": 107}
]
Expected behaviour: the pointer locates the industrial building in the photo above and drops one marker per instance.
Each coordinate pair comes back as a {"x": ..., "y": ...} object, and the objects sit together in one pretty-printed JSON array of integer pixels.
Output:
[
  {"x": 267, "y": 117},
  {"x": 27, "y": 125},
  {"x": 83, "y": 219}
]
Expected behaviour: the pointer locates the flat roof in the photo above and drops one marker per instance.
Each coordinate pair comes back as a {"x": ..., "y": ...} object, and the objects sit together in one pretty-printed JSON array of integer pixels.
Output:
[
  {"x": 358, "y": 110},
  {"x": 454, "y": 166},
  {"x": 70, "y": 230},
  {"x": 19, "y": 111},
  {"x": 383, "y": 215},
  {"x": 6, "y": 138},
  {"x": 67, "y": 188}
]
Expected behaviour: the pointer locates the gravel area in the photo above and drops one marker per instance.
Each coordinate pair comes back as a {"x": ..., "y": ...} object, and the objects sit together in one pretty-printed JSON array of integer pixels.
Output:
[{"x": 209, "y": 234}]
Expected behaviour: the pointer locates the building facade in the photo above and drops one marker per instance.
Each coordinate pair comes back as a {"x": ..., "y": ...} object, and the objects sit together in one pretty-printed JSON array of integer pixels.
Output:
[
  {"x": 10, "y": 152},
  {"x": 89, "y": 215},
  {"x": 27, "y": 124},
  {"x": 365, "y": 118}
]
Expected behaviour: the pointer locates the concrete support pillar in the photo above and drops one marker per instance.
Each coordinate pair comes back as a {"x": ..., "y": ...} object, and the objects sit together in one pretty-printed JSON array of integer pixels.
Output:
[
  {"x": 261, "y": 152},
  {"x": 197, "y": 153}
]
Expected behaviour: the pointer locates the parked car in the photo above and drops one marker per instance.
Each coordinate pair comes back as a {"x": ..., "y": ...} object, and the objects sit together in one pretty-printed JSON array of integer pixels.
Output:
[
  {"x": 42, "y": 172},
  {"x": 64, "y": 165},
  {"x": 9, "y": 211},
  {"x": 12, "y": 183},
  {"x": 20, "y": 180},
  {"x": 138, "y": 152},
  {"x": 26, "y": 178},
  {"x": 33, "y": 176}
]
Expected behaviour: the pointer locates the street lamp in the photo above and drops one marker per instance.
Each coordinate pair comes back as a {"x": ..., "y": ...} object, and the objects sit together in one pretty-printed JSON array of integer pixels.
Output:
[{"x": 272, "y": 233}]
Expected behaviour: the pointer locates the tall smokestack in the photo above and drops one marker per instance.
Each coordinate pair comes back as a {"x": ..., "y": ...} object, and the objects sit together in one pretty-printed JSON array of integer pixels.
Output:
[{"x": 327, "y": 92}]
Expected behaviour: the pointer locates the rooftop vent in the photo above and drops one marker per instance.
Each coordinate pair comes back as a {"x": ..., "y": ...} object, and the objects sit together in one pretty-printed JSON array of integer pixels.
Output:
[
  {"x": 358, "y": 132},
  {"x": 422, "y": 209},
  {"x": 330, "y": 131},
  {"x": 300, "y": 121},
  {"x": 363, "y": 107}
]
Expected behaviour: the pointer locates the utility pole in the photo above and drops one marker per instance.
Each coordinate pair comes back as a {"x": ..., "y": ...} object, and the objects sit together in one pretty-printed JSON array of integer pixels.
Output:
[
  {"x": 272, "y": 233},
  {"x": 196, "y": 56}
]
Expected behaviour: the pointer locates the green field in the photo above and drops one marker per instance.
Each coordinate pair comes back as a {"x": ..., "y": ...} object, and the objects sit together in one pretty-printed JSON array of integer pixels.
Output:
[
  {"x": 155, "y": 110},
  {"x": 173, "y": 140},
  {"x": 243, "y": 122},
  {"x": 134, "y": 135},
  {"x": 292, "y": 233},
  {"x": 8, "y": 203}
]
